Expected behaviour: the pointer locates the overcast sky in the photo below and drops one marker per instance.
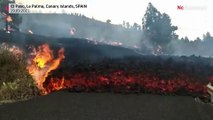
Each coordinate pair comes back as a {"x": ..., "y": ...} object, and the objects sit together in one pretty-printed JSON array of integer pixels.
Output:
[{"x": 193, "y": 21}]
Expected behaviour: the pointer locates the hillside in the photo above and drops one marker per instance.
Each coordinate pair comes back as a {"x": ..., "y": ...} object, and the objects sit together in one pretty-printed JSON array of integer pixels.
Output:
[
  {"x": 94, "y": 69},
  {"x": 56, "y": 25},
  {"x": 119, "y": 65}
]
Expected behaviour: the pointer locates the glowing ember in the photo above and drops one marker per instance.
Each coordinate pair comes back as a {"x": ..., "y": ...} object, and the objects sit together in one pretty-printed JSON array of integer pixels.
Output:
[
  {"x": 158, "y": 50},
  {"x": 9, "y": 18},
  {"x": 116, "y": 43},
  {"x": 120, "y": 81},
  {"x": 30, "y": 31},
  {"x": 43, "y": 63},
  {"x": 72, "y": 31}
]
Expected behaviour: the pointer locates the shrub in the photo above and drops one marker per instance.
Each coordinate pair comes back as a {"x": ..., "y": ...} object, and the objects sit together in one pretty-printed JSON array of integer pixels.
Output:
[{"x": 15, "y": 81}]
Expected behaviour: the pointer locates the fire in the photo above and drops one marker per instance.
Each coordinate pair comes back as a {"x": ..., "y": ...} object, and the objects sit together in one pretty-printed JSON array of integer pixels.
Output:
[
  {"x": 158, "y": 50},
  {"x": 72, "y": 31},
  {"x": 120, "y": 81},
  {"x": 55, "y": 84},
  {"x": 30, "y": 31},
  {"x": 42, "y": 63},
  {"x": 9, "y": 18}
]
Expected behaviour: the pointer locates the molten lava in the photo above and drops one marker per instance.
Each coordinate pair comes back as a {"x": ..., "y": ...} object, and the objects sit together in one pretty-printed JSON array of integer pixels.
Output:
[
  {"x": 120, "y": 81},
  {"x": 42, "y": 63},
  {"x": 108, "y": 78}
]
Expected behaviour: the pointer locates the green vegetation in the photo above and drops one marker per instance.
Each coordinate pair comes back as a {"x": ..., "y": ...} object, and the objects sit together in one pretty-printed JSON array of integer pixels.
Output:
[
  {"x": 15, "y": 82},
  {"x": 157, "y": 28}
]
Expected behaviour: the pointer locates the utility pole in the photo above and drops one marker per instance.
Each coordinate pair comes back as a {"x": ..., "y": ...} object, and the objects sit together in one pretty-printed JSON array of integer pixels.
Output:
[{"x": 4, "y": 9}]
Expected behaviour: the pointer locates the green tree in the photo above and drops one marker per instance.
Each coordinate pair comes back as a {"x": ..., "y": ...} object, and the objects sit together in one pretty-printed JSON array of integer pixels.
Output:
[
  {"x": 135, "y": 26},
  {"x": 127, "y": 25},
  {"x": 108, "y": 21},
  {"x": 207, "y": 41},
  {"x": 186, "y": 39},
  {"x": 207, "y": 37},
  {"x": 157, "y": 28}
]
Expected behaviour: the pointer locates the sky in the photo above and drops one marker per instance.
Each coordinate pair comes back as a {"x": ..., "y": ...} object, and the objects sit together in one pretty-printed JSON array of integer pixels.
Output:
[{"x": 193, "y": 21}]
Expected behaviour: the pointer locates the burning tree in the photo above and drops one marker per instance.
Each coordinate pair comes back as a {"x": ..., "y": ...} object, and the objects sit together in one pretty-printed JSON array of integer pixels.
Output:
[
  {"x": 42, "y": 63},
  {"x": 158, "y": 29}
]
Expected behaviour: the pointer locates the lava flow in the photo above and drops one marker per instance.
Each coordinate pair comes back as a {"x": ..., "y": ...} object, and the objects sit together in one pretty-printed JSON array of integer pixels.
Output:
[
  {"x": 102, "y": 79},
  {"x": 42, "y": 63},
  {"x": 123, "y": 82}
]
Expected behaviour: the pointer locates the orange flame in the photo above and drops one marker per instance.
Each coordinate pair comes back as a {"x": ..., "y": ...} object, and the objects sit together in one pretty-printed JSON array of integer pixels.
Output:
[
  {"x": 9, "y": 18},
  {"x": 43, "y": 63}
]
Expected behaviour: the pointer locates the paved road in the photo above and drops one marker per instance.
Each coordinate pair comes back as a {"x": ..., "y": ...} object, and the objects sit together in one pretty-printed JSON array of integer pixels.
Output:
[{"x": 106, "y": 106}]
